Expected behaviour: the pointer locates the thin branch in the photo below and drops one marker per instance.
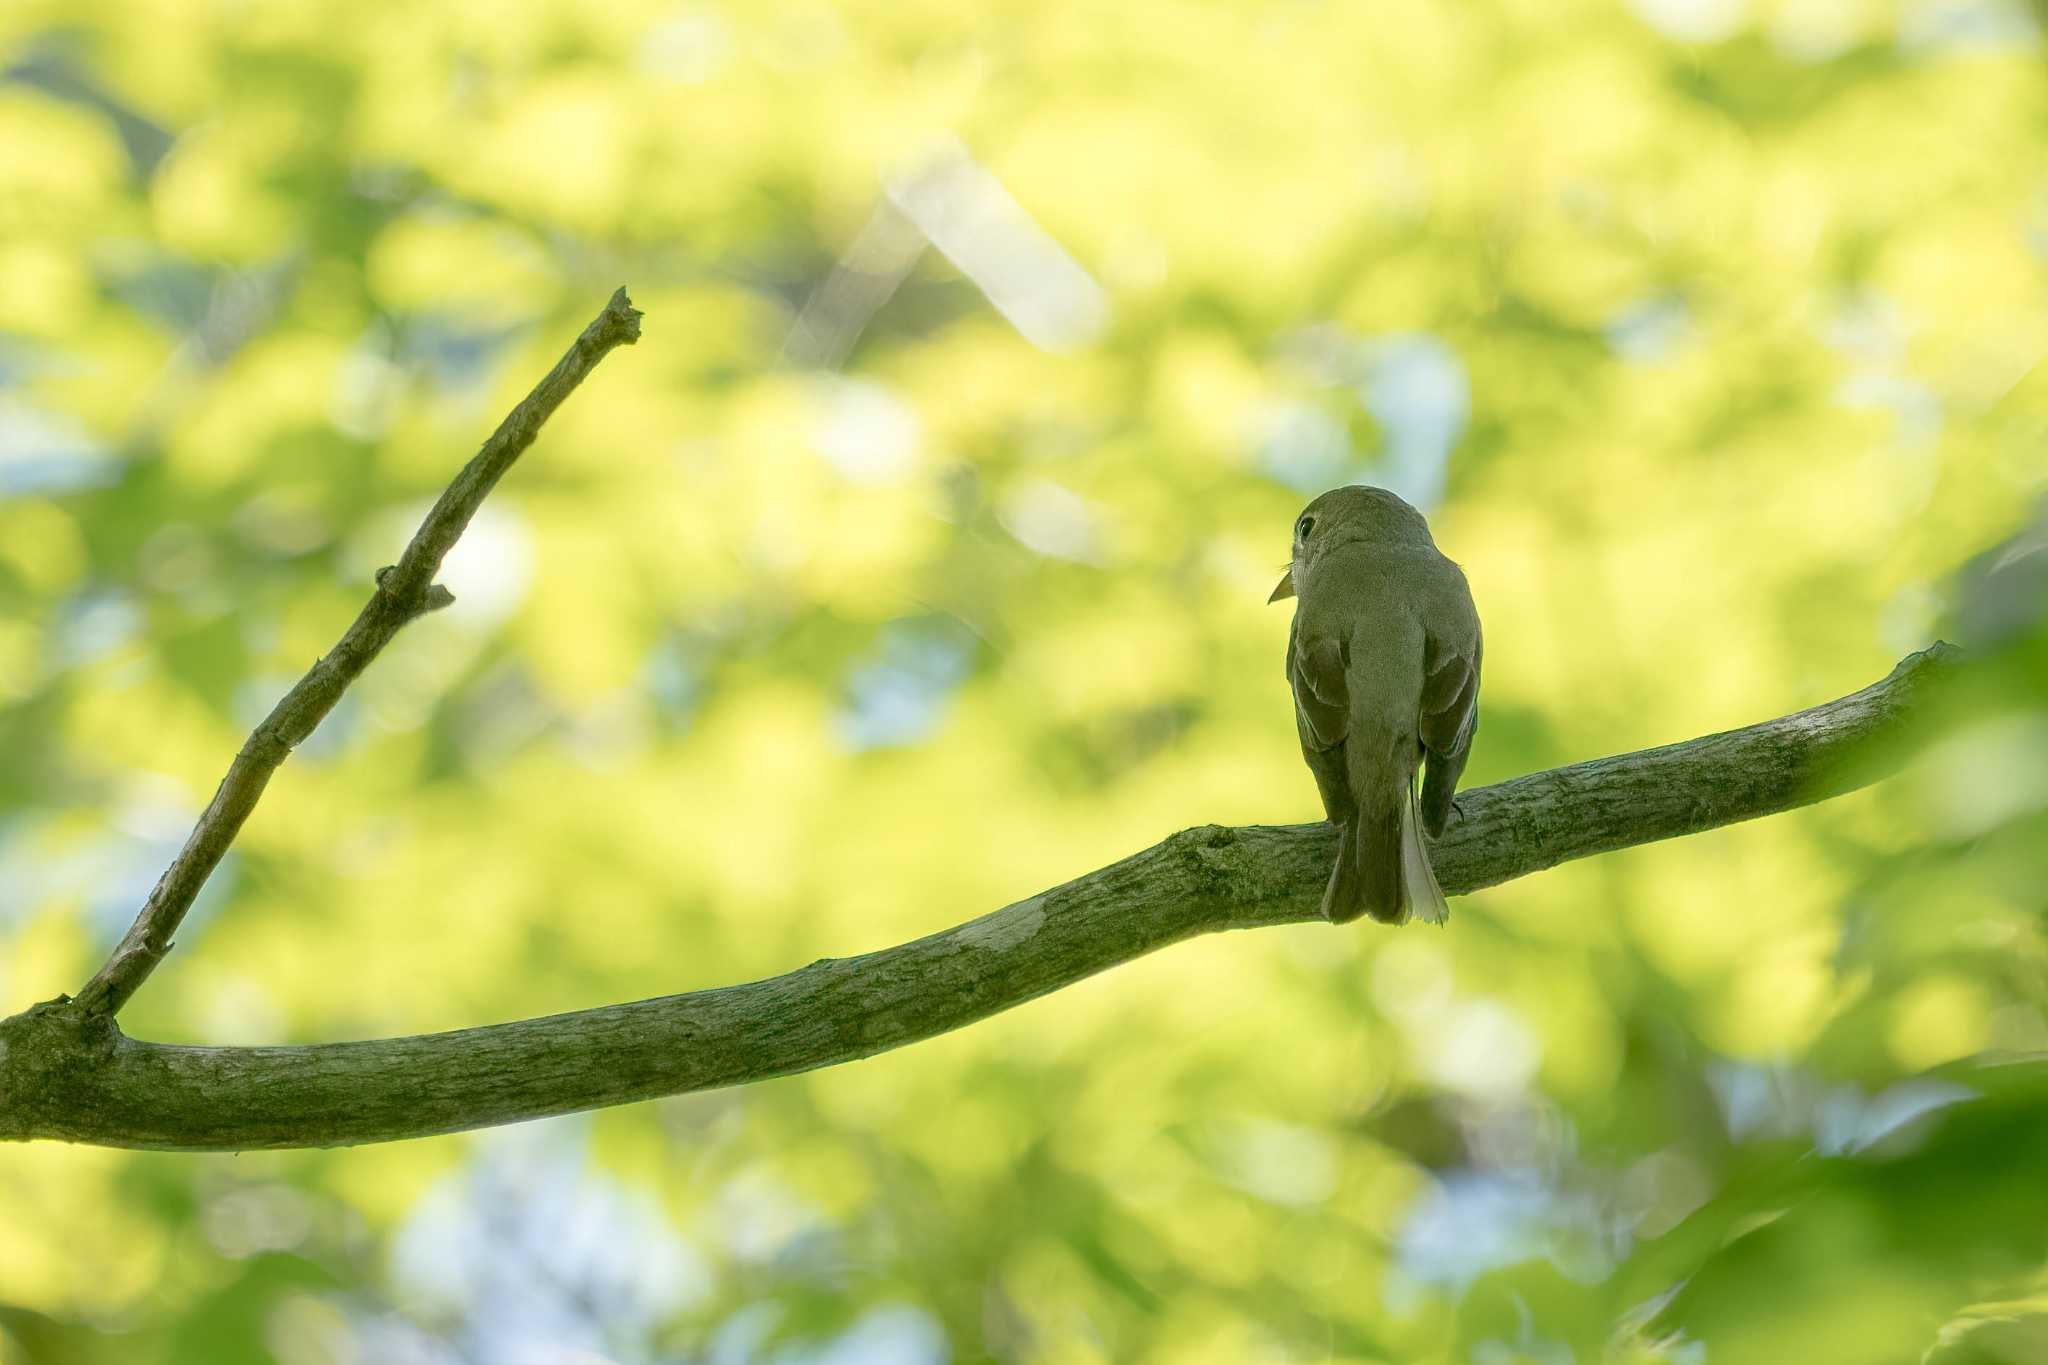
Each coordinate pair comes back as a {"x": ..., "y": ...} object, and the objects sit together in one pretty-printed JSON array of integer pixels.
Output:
[
  {"x": 72, "y": 1075},
  {"x": 404, "y": 591}
]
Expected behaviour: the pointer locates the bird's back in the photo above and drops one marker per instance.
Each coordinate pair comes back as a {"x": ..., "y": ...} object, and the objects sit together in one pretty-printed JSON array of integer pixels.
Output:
[{"x": 1362, "y": 594}]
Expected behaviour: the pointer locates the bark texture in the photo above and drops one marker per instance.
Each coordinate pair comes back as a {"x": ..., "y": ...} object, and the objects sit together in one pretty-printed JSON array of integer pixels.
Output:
[{"x": 68, "y": 1072}]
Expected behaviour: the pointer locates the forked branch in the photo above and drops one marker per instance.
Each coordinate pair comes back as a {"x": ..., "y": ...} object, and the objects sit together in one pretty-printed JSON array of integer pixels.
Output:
[{"x": 69, "y": 1074}]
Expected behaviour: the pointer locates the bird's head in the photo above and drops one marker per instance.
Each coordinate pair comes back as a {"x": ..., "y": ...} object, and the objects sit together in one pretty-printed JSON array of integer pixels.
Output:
[{"x": 1342, "y": 516}]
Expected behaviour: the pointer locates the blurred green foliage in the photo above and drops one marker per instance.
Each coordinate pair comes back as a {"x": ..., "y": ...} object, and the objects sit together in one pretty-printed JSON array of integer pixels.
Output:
[{"x": 915, "y": 562}]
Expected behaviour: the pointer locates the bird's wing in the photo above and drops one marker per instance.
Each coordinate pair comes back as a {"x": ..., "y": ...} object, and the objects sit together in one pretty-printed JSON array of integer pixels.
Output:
[
  {"x": 1450, "y": 695},
  {"x": 1324, "y": 759},
  {"x": 1315, "y": 669}
]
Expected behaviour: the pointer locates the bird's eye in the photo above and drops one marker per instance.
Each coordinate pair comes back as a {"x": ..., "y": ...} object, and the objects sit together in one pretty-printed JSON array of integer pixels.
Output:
[{"x": 1303, "y": 527}]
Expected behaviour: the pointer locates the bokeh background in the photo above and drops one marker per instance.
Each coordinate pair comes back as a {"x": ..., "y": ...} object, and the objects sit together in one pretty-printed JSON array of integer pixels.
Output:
[{"x": 916, "y": 561}]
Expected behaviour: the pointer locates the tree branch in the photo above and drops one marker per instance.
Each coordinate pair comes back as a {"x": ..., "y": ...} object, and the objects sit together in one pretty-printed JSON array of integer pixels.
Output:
[
  {"x": 71, "y": 1074},
  {"x": 404, "y": 591}
]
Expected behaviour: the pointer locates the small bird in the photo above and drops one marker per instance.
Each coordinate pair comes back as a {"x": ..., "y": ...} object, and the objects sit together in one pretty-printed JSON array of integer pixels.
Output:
[{"x": 1383, "y": 660}]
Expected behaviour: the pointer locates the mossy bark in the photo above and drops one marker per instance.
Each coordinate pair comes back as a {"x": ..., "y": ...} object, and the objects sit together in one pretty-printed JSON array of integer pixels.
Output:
[{"x": 67, "y": 1072}]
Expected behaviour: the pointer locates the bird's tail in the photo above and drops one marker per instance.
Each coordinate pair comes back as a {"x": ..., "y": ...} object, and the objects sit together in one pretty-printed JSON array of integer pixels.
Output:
[
  {"x": 1418, "y": 878},
  {"x": 1383, "y": 866}
]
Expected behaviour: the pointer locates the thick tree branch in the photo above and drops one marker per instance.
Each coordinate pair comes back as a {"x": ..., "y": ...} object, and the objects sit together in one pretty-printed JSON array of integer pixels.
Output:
[
  {"x": 404, "y": 591},
  {"x": 71, "y": 1074}
]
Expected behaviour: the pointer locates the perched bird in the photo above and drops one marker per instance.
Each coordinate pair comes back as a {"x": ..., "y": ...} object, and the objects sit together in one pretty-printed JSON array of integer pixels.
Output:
[{"x": 1383, "y": 659}]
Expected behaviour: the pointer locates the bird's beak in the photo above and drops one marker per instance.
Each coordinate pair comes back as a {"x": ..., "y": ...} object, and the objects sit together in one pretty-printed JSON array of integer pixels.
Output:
[{"x": 1286, "y": 588}]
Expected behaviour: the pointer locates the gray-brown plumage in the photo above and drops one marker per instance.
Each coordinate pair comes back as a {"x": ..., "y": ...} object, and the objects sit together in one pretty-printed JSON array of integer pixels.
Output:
[{"x": 1383, "y": 660}]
